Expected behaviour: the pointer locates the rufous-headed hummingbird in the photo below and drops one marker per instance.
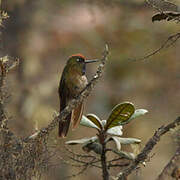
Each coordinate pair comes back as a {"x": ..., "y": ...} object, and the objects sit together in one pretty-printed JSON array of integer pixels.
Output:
[{"x": 73, "y": 81}]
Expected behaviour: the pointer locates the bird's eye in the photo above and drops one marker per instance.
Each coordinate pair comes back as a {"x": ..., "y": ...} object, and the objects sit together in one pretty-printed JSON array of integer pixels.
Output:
[{"x": 78, "y": 60}]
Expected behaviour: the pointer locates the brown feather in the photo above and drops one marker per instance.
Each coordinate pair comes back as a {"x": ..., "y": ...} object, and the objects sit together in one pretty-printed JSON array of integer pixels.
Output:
[
  {"x": 64, "y": 98},
  {"x": 64, "y": 126},
  {"x": 77, "y": 115}
]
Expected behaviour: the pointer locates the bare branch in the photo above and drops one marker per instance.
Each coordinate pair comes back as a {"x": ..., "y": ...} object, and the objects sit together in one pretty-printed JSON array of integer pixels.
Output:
[
  {"x": 122, "y": 154},
  {"x": 6, "y": 64},
  {"x": 141, "y": 157},
  {"x": 162, "y": 5},
  {"x": 78, "y": 155},
  {"x": 118, "y": 165},
  {"x": 3, "y": 118},
  {"x": 87, "y": 162},
  {"x": 82, "y": 163},
  {"x": 169, "y": 42}
]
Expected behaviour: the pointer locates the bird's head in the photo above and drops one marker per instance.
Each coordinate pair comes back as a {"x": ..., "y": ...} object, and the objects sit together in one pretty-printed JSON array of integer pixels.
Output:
[{"x": 78, "y": 62}]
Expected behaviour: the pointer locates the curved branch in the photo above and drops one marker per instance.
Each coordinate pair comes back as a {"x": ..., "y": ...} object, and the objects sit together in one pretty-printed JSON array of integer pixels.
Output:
[
  {"x": 169, "y": 42},
  {"x": 141, "y": 157}
]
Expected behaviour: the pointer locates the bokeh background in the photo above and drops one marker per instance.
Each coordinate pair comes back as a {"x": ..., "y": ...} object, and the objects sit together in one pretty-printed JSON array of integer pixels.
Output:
[{"x": 43, "y": 34}]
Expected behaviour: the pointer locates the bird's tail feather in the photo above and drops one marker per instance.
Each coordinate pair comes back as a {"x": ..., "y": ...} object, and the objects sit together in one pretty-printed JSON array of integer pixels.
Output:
[
  {"x": 64, "y": 126},
  {"x": 77, "y": 115}
]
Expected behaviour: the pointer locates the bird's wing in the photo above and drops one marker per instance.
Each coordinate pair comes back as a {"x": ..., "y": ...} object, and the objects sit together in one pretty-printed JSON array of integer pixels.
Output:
[
  {"x": 64, "y": 98},
  {"x": 77, "y": 115},
  {"x": 64, "y": 126},
  {"x": 62, "y": 94}
]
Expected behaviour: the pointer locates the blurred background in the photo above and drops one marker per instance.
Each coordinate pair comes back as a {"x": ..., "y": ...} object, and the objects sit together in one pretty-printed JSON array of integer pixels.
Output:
[{"x": 43, "y": 34}]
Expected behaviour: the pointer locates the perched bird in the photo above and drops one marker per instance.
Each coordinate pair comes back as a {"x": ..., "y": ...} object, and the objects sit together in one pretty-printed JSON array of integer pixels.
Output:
[{"x": 73, "y": 81}]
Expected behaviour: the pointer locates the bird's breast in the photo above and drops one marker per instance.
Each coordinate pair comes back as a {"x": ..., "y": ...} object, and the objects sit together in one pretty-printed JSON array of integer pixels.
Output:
[{"x": 76, "y": 83}]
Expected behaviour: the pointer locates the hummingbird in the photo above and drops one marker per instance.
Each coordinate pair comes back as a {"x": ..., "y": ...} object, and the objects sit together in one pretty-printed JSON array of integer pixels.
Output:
[{"x": 73, "y": 81}]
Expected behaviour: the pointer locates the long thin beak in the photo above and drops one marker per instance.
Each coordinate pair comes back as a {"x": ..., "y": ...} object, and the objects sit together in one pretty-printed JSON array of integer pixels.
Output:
[{"x": 91, "y": 60}]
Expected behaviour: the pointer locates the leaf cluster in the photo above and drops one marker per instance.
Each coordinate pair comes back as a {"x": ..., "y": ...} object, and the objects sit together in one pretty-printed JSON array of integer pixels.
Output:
[{"x": 120, "y": 115}]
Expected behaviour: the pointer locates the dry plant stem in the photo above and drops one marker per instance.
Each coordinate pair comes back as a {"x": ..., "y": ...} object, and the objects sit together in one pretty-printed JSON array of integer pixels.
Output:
[
  {"x": 78, "y": 155},
  {"x": 118, "y": 165},
  {"x": 89, "y": 161},
  {"x": 102, "y": 137},
  {"x": 173, "y": 164},
  {"x": 141, "y": 157},
  {"x": 122, "y": 154},
  {"x": 84, "y": 164},
  {"x": 5, "y": 68},
  {"x": 5, "y": 132},
  {"x": 83, "y": 95},
  {"x": 162, "y": 5},
  {"x": 104, "y": 163},
  {"x": 2, "y": 83}
]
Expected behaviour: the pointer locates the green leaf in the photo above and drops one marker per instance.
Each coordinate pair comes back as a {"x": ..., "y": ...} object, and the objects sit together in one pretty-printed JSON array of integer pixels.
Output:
[
  {"x": 137, "y": 113},
  {"x": 120, "y": 114},
  {"x": 94, "y": 119},
  {"x": 86, "y": 122}
]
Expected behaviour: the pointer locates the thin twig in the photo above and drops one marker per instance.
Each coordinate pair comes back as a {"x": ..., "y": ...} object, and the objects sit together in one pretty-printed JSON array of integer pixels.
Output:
[
  {"x": 169, "y": 42},
  {"x": 89, "y": 162},
  {"x": 122, "y": 154},
  {"x": 118, "y": 165},
  {"x": 116, "y": 159},
  {"x": 162, "y": 5},
  {"x": 141, "y": 157},
  {"x": 78, "y": 155}
]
